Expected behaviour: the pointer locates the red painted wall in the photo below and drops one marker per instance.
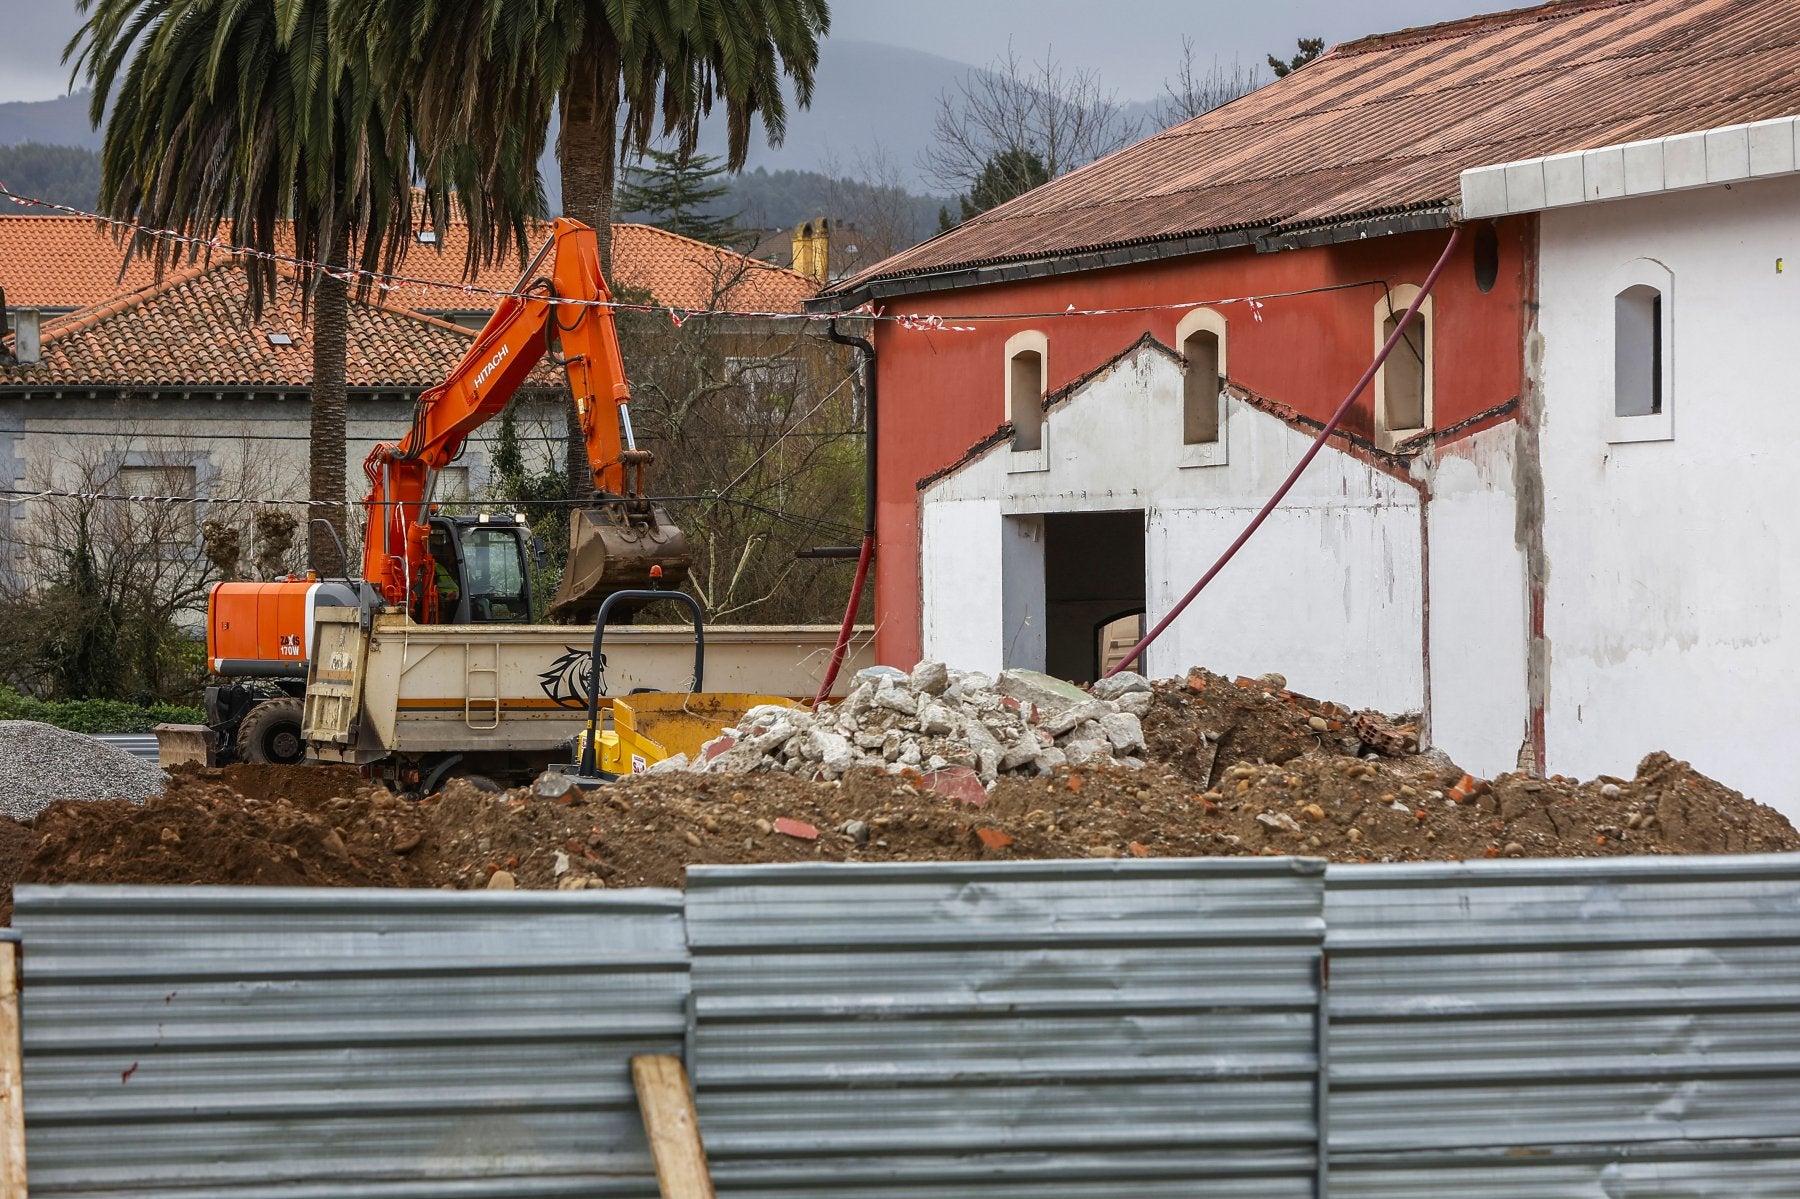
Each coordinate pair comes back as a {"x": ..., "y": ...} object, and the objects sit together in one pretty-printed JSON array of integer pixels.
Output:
[{"x": 943, "y": 391}]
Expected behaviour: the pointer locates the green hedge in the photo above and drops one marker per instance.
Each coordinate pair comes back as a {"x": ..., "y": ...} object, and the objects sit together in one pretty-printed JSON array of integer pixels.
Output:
[{"x": 95, "y": 715}]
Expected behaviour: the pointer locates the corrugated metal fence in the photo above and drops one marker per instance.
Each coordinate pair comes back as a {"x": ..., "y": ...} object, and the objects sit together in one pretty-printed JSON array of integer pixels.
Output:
[
  {"x": 1616, "y": 1028},
  {"x": 205, "y": 1042},
  {"x": 1026, "y": 1030}
]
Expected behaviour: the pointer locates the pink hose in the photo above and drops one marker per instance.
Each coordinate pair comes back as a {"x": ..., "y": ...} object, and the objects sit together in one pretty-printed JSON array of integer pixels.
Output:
[{"x": 1312, "y": 452}]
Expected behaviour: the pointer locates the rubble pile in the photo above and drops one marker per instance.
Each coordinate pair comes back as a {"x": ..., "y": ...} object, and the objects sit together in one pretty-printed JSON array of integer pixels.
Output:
[{"x": 934, "y": 720}]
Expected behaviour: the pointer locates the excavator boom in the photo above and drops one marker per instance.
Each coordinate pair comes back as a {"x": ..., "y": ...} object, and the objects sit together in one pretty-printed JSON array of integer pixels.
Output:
[{"x": 614, "y": 542}]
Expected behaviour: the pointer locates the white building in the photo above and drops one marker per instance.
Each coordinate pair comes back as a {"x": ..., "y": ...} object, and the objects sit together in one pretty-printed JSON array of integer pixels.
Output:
[{"x": 1667, "y": 362}]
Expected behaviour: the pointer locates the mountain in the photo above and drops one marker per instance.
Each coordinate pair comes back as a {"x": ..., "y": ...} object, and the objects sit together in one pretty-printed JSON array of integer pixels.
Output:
[
  {"x": 59, "y": 122},
  {"x": 868, "y": 97}
]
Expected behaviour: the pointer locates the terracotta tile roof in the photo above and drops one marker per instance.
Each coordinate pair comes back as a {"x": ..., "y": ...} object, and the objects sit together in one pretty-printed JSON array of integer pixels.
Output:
[
  {"x": 1383, "y": 125},
  {"x": 63, "y": 262},
  {"x": 193, "y": 330},
  {"x": 72, "y": 262},
  {"x": 675, "y": 270}
]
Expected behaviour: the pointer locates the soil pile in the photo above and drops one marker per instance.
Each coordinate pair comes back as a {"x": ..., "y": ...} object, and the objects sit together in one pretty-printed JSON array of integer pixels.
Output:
[{"x": 1234, "y": 767}]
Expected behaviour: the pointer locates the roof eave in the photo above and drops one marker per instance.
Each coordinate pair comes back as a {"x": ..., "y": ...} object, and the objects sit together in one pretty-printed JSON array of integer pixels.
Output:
[
  {"x": 1264, "y": 239},
  {"x": 1046, "y": 266}
]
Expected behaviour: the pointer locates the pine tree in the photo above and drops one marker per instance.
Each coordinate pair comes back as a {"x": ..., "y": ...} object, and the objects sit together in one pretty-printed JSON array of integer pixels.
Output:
[
  {"x": 674, "y": 192},
  {"x": 1007, "y": 174},
  {"x": 1309, "y": 47}
]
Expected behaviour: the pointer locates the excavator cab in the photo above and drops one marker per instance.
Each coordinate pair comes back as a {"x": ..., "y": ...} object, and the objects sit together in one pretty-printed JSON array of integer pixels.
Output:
[{"x": 481, "y": 570}]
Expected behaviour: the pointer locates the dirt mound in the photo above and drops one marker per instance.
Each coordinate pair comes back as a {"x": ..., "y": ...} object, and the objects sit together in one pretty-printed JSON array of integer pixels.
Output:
[
  {"x": 255, "y": 826},
  {"x": 1235, "y": 767}
]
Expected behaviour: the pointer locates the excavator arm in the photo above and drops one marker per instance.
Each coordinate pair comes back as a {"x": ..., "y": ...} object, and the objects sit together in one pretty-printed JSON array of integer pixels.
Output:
[{"x": 613, "y": 543}]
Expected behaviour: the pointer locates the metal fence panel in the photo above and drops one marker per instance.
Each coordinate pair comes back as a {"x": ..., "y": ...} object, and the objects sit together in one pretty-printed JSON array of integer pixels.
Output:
[
  {"x": 1604, "y": 1027},
  {"x": 205, "y": 1042},
  {"x": 138, "y": 745},
  {"x": 1028, "y": 1029}
]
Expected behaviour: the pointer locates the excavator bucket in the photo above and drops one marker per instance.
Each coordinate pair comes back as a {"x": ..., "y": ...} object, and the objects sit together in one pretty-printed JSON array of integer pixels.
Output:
[{"x": 612, "y": 548}]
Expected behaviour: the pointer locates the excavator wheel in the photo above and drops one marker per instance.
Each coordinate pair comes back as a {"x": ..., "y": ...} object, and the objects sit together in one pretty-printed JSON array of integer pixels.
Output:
[{"x": 270, "y": 735}]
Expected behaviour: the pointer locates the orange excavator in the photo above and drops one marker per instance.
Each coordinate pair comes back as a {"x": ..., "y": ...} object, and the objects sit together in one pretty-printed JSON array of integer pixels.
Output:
[{"x": 464, "y": 570}]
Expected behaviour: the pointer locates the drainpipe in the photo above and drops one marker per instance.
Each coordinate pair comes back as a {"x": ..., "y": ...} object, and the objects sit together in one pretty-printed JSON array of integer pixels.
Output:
[
  {"x": 1312, "y": 452},
  {"x": 866, "y": 352}
]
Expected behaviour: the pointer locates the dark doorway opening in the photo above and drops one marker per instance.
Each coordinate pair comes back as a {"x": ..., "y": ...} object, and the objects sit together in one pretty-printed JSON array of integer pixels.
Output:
[{"x": 1093, "y": 589}]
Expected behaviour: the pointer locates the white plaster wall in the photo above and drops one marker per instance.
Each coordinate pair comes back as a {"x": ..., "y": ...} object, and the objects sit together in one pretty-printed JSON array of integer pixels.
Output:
[
  {"x": 1328, "y": 592},
  {"x": 1669, "y": 619},
  {"x": 255, "y": 447},
  {"x": 960, "y": 591},
  {"x": 1480, "y": 713}
]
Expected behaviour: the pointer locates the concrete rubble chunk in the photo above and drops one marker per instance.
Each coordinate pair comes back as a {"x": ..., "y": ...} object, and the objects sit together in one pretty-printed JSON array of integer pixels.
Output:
[
  {"x": 896, "y": 698},
  {"x": 834, "y": 752},
  {"x": 669, "y": 765},
  {"x": 1124, "y": 731},
  {"x": 1081, "y": 713},
  {"x": 554, "y": 784},
  {"x": 1030, "y": 686},
  {"x": 1048, "y": 693},
  {"x": 1138, "y": 703},
  {"x": 879, "y": 674},
  {"x": 1023, "y": 752},
  {"x": 930, "y": 677},
  {"x": 1081, "y": 753},
  {"x": 936, "y": 720},
  {"x": 1123, "y": 683}
]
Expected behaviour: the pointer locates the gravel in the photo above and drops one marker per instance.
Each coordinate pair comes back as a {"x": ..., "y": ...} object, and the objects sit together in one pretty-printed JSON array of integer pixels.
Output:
[{"x": 40, "y": 764}]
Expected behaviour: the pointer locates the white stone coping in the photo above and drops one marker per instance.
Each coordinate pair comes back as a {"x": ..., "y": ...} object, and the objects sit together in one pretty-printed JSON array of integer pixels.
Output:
[{"x": 1708, "y": 157}]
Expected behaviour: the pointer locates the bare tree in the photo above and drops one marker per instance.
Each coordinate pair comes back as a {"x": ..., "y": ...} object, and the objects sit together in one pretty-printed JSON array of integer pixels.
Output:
[
  {"x": 754, "y": 428},
  {"x": 874, "y": 214},
  {"x": 1018, "y": 110},
  {"x": 1193, "y": 92},
  {"x": 108, "y": 592}
]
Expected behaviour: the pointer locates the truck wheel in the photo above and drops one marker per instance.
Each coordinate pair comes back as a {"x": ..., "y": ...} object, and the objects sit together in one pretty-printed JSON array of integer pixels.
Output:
[{"x": 270, "y": 735}]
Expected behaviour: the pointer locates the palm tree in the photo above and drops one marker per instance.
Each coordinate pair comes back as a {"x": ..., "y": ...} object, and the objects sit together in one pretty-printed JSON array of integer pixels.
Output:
[
  {"x": 621, "y": 74},
  {"x": 241, "y": 113},
  {"x": 484, "y": 76}
]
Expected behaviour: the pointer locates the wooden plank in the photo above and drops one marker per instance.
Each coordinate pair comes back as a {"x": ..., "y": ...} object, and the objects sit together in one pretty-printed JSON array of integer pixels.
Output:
[
  {"x": 12, "y": 1081},
  {"x": 672, "y": 1126}
]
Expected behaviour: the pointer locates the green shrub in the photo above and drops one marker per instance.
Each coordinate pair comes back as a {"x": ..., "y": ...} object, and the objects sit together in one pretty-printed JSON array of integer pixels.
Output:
[{"x": 95, "y": 715}]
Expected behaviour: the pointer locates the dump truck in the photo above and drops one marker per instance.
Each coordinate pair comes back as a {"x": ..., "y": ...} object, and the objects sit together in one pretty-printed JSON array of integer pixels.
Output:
[{"x": 429, "y": 663}]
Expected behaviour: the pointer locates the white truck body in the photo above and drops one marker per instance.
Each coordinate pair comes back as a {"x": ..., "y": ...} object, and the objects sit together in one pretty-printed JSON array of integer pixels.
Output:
[{"x": 383, "y": 687}]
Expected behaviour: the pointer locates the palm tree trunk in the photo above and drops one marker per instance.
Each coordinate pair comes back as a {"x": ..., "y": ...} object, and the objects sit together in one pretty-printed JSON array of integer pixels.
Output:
[
  {"x": 331, "y": 320},
  {"x": 585, "y": 152}
]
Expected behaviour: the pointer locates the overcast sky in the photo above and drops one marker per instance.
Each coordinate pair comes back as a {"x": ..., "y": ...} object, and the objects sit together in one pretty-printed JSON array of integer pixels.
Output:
[{"x": 1130, "y": 42}]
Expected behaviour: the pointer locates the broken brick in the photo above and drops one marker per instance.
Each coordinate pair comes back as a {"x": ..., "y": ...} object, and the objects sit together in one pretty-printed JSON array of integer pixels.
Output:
[
  {"x": 994, "y": 838},
  {"x": 1139, "y": 849},
  {"x": 798, "y": 829},
  {"x": 956, "y": 782}
]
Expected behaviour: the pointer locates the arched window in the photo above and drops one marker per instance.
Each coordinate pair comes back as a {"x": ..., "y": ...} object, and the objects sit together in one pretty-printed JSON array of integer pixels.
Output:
[
  {"x": 1403, "y": 386},
  {"x": 1026, "y": 371},
  {"x": 1642, "y": 396},
  {"x": 1201, "y": 339}
]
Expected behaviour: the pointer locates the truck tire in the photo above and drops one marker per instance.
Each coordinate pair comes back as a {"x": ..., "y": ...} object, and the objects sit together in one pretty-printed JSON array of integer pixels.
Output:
[{"x": 270, "y": 735}]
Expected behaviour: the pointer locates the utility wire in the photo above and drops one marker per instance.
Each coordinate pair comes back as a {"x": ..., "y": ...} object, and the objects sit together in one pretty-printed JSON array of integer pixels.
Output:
[{"x": 928, "y": 322}]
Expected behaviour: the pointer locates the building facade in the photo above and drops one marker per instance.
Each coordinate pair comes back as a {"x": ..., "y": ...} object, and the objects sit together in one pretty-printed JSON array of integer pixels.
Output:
[{"x": 1104, "y": 380}]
